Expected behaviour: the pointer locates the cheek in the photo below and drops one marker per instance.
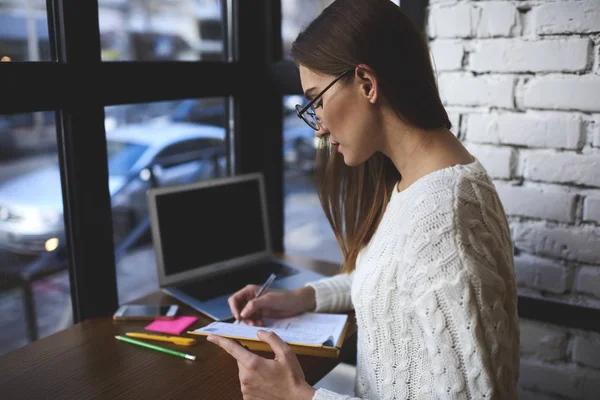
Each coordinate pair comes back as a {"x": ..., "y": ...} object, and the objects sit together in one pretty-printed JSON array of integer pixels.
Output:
[{"x": 340, "y": 117}]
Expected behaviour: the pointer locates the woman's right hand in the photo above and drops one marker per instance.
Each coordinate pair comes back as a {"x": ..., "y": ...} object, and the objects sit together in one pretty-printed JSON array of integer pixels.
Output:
[{"x": 272, "y": 303}]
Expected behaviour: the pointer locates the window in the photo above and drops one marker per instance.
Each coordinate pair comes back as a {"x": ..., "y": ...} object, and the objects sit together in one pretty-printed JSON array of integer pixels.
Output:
[
  {"x": 31, "y": 232},
  {"x": 156, "y": 30},
  {"x": 306, "y": 232},
  {"x": 24, "y": 31},
  {"x": 179, "y": 142}
]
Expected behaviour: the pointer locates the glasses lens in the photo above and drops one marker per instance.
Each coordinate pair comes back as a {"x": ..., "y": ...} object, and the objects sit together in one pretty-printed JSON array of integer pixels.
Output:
[{"x": 309, "y": 116}]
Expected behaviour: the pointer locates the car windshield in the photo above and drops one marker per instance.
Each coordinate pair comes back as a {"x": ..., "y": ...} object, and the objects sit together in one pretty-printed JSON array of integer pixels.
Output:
[{"x": 122, "y": 156}]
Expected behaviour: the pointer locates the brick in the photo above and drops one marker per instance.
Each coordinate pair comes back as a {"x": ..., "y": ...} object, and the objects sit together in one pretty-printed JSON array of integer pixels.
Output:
[
  {"x": 498, "y": 161},
  {"x": 447, "y": 55},
  {"x": 563, "y": 167},
  {"x": 467, "y": 90},
  {"x": 591, "y": 209},
  {"x": 565, "y": 92},
  {"x": 496, "y": 18},
  {"x": 509, "y": 55},
  {"x": 542, "y": 341},
  {"x": 581, "y": 243},
  {"x": 567, "y": 17},
  {"x": 562, "y": 379},
  {"x": 542, "y": 274},
  {"x": 453, "y": 20},
  {"x": 532, "y": 129},
  {"x": 544, "y": 202},
  {"x": 588, "y": 280},
  {"x": 595, "y": 131},
  {"x": 586, "y": 349}
]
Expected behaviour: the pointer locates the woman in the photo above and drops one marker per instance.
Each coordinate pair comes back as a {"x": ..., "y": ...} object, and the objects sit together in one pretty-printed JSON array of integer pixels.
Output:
[{"x": 428, "y": 257}]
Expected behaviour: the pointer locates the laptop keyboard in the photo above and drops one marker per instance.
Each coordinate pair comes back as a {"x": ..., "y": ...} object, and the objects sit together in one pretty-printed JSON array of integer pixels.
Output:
[{"x": 256, "y": 274}]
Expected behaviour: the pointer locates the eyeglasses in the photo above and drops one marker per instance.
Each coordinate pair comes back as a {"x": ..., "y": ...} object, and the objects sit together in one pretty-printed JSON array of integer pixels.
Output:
[{"x": 308, "y": 112}]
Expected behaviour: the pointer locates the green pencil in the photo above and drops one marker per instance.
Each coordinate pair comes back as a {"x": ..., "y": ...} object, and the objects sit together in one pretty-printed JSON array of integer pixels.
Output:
[{"x": 158, "y": 348}]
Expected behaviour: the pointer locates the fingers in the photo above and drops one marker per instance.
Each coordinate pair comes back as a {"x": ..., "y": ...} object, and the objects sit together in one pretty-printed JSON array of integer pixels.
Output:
[
  {"x": 281, "y": 349},
  {"x": 238, "y": 300},
  {"x": 246, "y": 358}
]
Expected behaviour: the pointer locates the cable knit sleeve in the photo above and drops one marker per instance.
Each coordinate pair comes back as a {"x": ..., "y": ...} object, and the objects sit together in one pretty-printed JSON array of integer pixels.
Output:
[
  {"x": 467, "y": 335},
  {"x": 332, "y": 294}
]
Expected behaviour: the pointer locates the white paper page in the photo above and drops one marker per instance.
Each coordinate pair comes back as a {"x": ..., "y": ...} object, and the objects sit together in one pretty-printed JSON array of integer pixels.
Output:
[
  {"x": 330, "y": 325},
  {"x": 309, "y": 328}
]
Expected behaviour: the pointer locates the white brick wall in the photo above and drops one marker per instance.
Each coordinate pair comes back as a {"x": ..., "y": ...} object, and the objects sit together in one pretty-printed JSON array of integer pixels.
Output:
[
  {"x": 588, "y": 280},
  {"x": 591, "y": 208},
  {"x": 561, "y": 167},
  {"x": 539, "y": 201},
  {"x": 523, "y": 79},
  {"x": 543, "y": 341},
  {"x": 586, "y": 350},
  {"x": 543, "y": 274},
  {"x": 577, "y": 243},
  {"x": 563, "y": 92},
  {"x": 530, "y": 129},
  {"x": 511, "y": 55},
  {"x": 499, "y": 161},
  {"x": 467, "y": 90},
  {"x": 447, "y": 55},
  {"x": 567, "y": 17}
]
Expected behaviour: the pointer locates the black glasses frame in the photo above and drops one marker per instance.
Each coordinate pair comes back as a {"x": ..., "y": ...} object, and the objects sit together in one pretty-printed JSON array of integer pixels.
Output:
[{"x": 302, "y": 110}]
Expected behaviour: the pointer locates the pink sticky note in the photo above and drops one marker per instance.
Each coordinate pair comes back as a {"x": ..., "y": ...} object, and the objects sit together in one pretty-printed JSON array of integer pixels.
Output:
[{"x": 172, "y": 326}]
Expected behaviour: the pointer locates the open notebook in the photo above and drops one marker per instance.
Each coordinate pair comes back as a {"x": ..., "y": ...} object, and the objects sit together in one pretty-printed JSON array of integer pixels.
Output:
[{"x": 315, "y": 334}]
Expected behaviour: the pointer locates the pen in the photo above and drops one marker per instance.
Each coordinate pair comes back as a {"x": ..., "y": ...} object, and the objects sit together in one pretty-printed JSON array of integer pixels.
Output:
[
  {"x": 264, "y": 287},
  {"x": 158, "y": 348},
  {"x": 173, "y": 339}
]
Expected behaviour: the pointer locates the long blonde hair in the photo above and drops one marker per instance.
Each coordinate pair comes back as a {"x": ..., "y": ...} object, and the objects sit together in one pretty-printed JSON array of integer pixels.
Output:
[{"x": 377, "y": 33}]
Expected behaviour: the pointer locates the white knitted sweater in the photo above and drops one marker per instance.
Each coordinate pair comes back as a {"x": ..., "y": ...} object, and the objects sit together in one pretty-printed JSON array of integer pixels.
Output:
[{"x": 434, "y": 294}]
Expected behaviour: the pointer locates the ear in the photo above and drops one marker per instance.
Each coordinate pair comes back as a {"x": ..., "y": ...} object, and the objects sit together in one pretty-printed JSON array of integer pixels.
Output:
[{"x": 368, "y": 83}]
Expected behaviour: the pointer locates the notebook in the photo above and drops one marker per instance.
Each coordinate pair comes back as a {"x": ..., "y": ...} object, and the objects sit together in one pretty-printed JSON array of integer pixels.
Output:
[
  {"x": 316, "y": 334},
  {"x": 211, "y": 238}
]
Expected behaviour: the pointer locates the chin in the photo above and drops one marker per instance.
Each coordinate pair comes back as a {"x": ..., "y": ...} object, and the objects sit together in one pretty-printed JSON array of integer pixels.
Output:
[
  {"x": 351, "y": 162},
  {"x": 354, "y": 160}
]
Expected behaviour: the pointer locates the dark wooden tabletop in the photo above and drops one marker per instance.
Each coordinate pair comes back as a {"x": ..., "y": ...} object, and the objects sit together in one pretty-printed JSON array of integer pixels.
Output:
[{"x": 87, "y": 362}]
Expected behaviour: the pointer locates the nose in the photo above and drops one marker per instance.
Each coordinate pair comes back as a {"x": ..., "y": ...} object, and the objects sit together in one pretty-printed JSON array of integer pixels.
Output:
[{"x": 323, "y": 131}]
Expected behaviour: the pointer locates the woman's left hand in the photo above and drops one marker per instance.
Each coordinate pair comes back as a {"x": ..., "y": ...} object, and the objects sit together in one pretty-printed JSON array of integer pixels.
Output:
[{"x": 261, "y": 378}]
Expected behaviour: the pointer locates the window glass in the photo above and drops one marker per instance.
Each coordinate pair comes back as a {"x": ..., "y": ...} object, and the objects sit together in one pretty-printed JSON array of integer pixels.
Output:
[
  {"x": 150, "y": 145},
  {"x": 296, "y": 14},
  {"x": 24, "y": 30},
  {"x": 306, "y": 230},
  {"x": 155, "y": 30},
  {"x": 35, "y": 296}
]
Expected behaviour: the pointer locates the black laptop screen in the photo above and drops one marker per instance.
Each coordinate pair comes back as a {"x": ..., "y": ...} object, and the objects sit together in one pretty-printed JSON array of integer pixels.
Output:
[{"x": 202, "y": 226}]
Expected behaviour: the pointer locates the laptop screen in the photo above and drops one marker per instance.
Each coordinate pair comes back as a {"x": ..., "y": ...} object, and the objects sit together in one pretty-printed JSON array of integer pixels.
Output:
[{"x": 210, "y": 224}]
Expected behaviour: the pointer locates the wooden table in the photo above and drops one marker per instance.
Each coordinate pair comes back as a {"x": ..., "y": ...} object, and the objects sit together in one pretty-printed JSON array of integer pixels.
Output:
[{"x": 86, "y": 361}]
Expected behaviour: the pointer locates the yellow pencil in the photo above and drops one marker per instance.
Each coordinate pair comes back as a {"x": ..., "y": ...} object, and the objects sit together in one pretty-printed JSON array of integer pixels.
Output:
[{"x": 173, "y": 339}]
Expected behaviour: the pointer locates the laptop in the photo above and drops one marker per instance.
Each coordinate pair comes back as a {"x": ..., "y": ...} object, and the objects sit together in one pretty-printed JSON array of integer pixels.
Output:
[{"x": 211, "y": 238}]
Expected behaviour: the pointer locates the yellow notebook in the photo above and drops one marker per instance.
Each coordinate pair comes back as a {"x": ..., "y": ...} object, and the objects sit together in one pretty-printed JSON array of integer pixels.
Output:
[{"x": 314, "y": 334}]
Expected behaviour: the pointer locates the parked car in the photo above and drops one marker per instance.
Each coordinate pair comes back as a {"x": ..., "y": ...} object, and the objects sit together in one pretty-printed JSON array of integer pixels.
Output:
[
  {"x": 164, "y": 152},
  {"x": 299, "y": 145},
  {"x": 299, "y": 141}
]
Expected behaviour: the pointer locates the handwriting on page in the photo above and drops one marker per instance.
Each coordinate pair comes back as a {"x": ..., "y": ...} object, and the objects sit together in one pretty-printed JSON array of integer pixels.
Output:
[
  {"x": 249, "y": 332},
  {"x": 329, "y": 325}
]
